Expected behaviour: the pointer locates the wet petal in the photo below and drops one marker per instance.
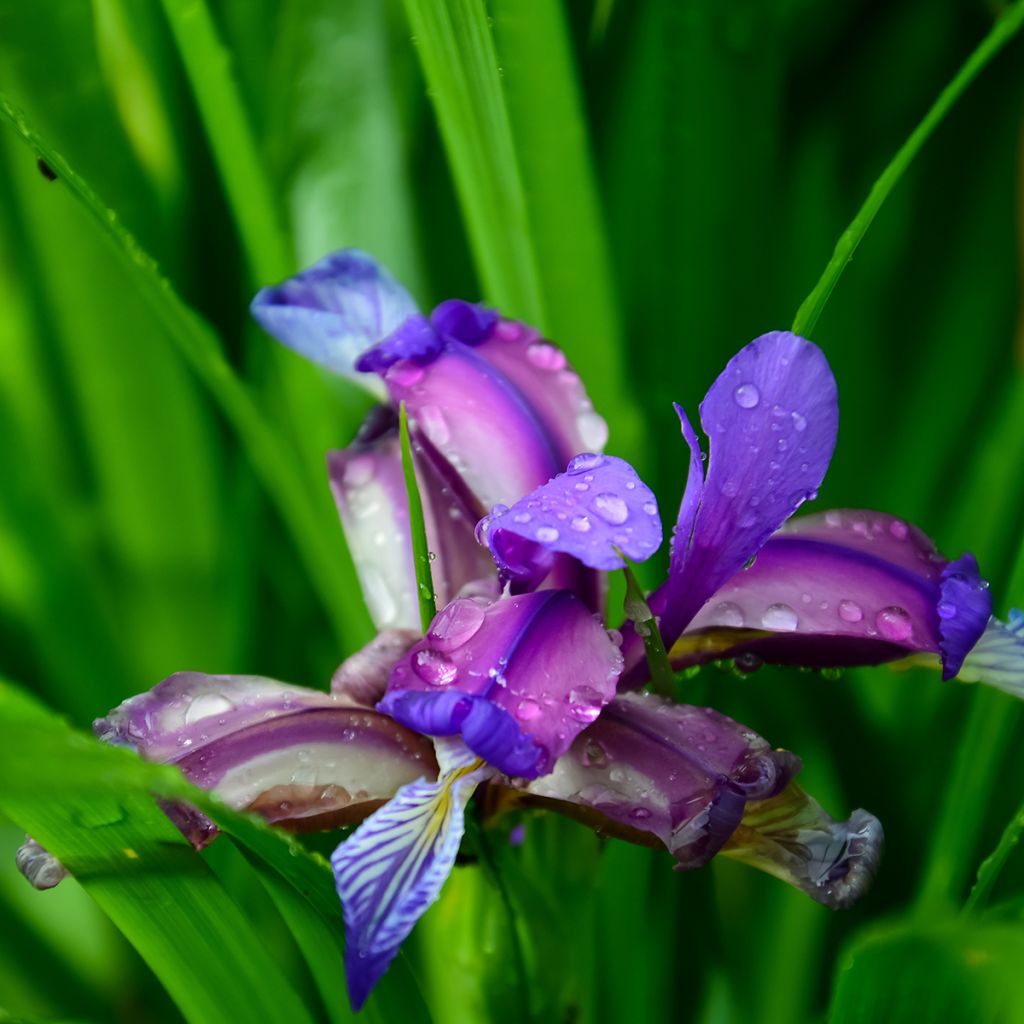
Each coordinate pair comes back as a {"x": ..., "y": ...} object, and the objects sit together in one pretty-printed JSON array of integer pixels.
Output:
[
  {"x": 650, "y": 770},
  {"x": 846, "y": 587},
  {"x": 792, "y": 838},
  {"x": 998, "y": 657},
  {"x": 599, "y": 504},
  {"x": 362, "y": 678},
  {"x": 335, "y": 310},
  {"x": 771, "y": 419},
  {"x": 518, "y": 678},
  {"x": 298, "y": 757},
  {"x": 965, "y": 606},
  {"x": 393, "y": 866}
]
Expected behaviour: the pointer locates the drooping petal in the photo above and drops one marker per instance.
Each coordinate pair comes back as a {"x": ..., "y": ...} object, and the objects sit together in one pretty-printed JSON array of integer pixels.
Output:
[
  {"x": 792, "y": 838},
  {"x": 599, "y": 504},
  {"x": 369, "y": 489},
  {"x": 657, "y": 772},
  {"x": 771, "y": 419},
  {"x": 335, "y": 310},
  {"x": 299, "y": 757},
  {"x": 393, "y": 866},
  {"x": 845, "y": 587},
  {"x": 998, "y": 657},
  {"x": 517, "y": 678}
]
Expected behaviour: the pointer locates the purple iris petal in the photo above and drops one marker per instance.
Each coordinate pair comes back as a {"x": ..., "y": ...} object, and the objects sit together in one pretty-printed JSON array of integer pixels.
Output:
[
  {"x": 693, "y": 491},
  {"x": 369, "y": 489},
  {"x": 844, "y": 587},
  {"x": 518, "y": 679},
  {"x": 678, "y": 773},
  {"x": 361, "y": 679},
  {"x": 965, "y": 606},
  {"x": 298, "y": 757},
  {"x": 466, "y": 322},
  {"x": 771, "y": 419},
  {"x": 792, "y": 838},
  {"x": 597, "y": 506},
  {"x": 335, "y": 310},
  {"x": 393, "y": 866},
  {"x": 414, "y": 339}
]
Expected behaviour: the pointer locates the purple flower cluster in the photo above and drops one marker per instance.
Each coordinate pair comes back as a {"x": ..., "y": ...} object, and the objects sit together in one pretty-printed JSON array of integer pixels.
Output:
[{"x": 517, "y": 684}]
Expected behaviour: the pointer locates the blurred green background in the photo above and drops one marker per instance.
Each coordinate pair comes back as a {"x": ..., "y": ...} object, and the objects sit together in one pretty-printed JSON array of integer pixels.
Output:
[{"x": 655, "y": 183}]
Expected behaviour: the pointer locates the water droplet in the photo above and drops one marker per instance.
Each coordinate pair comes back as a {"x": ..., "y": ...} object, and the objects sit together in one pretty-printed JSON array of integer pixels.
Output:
[
  {"x": 580, "y": 523},
  {"x": 946, "y": 610},
  {"x": 456, "y": 625},
  {"x": 833, "y": 518},
  {"x": 894, "y": 623},
  {"x": 730, "y": 488},
  {"x": 747, "y": 662},
  {"x": 359, "y": 471},
  {"x": 611, "y": 508},
  {"x": 527, "y": 709},
  {"x": 405, "y": 373},
  {"x": 546, "y": 535},
  {"x": 434, "y": 425},
  {"x": 899, "y": 529},
  {"x": 850, "y": 611},
  {"x": 747, "y": 396},
  {"x": 585, "y": 704},
  {"x": 592, "y": 429},
  {"x": 545, "y": 356},
  {"x": 650, "y": 508},
  {"x": 433, "y": 667},
  {"x": 522, "y": 517},
  {"x": 727, "y": 614},
  {"x": 594, "y": 755},
  {"x": 799, "y": 422},
  {"x": 780, "y": 617},
  {"x": 582, "y": 486},
  {"x": 581, "y": 463},
  {"x": 639, "y": 814}
]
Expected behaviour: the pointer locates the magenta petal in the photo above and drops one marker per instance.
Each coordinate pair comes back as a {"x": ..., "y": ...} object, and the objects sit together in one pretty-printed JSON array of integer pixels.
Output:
[
  {"x": 335, "y": 310},
  {"x": 771, "y": 419},
  {"x": 597, "y": 506},
  {"x": 528, "y": 670},
  {"x": 681, "y": 773}
]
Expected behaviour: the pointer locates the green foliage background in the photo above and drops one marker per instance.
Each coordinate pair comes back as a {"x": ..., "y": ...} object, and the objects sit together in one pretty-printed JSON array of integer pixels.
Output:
[{"x": 654, "y": 183}]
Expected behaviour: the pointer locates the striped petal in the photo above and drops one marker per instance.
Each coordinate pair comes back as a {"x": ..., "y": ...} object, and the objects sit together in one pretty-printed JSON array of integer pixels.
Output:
[
  {"x": 998, "y": 657},
  {"x": 390, "y": 870}
]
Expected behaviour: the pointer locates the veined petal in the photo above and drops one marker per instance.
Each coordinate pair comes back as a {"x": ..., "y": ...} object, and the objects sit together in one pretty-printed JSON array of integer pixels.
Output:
[
  {"x": 792, "y": 838},
  {"x": 656, "y": 772},
  {"x": 845, "y": 587},
  {"x": 998, "y": 657},
  {"x": 771, "y": 419},
  {"x": 298, "y": 757},
  {"x": 517, "y": 678},
  {"x": 393, "y": 866},
  {"x": 335, "y": 310},
  {"x": 599, "y": 504}
]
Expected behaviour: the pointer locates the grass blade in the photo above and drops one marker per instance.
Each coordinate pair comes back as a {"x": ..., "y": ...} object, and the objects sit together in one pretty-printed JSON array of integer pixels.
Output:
[{"x": 418, "y": 529}]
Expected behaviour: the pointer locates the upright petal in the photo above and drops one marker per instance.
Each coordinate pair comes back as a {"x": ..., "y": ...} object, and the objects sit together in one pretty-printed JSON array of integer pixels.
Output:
[
  {"x": 517, "y": 679},
  {"x": 393, "y": 866},
  {"x": 652, "y": 771},
  {"x": 846, "y": 587},
  {"x": 335, "y": 310},
  {"x": 771, "y": 419},
  {"x": 792, "y": 838},
  {"x": 597, "y": 508},
  {"x": 299, "y": 757}
]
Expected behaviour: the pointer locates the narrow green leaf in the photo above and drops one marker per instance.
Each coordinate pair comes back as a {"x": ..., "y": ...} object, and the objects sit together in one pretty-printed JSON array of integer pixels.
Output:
[
  {"x": 418, "y": 529},
  {"x": 1005, "y": 28},
  {"x": 992, "y": 865},
  {"x": 311, "y": 523},
  {"x": 637, "y": 610}
]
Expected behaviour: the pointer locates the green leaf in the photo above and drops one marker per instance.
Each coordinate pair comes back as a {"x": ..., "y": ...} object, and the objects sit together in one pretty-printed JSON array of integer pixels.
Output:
[
  {"x": 418, "y": 529},
  {"x": 947, "y": 974}
]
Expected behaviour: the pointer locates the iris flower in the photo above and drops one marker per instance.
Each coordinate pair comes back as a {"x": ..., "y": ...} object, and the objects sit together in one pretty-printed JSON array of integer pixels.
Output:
[{"x": 517, "y": 685}]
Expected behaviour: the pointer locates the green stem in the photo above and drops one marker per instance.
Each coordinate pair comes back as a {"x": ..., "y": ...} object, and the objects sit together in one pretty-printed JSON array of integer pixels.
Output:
[
  {"x": 637, "y": 610},
  {"x": 418, "y": 529},
  {"x": 1002, "y": 32},
  {"x": 248, "y": 189}
]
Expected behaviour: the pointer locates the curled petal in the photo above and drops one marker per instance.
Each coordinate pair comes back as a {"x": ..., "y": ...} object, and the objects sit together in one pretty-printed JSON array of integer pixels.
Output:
[
  {"x": 792, "y": 838},
  {"x": 414, "y": 340},
  {"x": 393, "y": 866},
  {"x": 335, "y": 310},
  {"x": 298, "y": 757},
  {"x": 41, "y": 869},
  {"x": 517, "y": 679},
  {"x": 998, "y": 657},
  {"x": 653, "y": 771},
  {"x": 596, "y": 508},
  {"x": 771, "y": 419},
  {"x": 846, "y": 587}
]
